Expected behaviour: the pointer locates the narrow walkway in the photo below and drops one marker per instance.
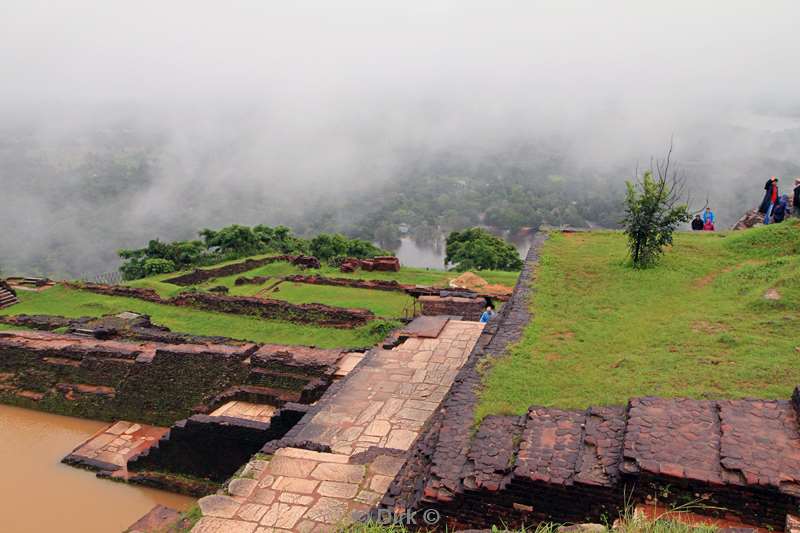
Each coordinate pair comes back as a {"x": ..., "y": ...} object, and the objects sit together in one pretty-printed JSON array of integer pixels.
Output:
[{"x": 369, "y": 425}]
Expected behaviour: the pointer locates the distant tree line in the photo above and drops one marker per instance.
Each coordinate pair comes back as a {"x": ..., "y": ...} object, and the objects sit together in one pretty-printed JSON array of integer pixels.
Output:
[
  {"x": 236, "y": 241},
  {"x": 434, "y": 205}
]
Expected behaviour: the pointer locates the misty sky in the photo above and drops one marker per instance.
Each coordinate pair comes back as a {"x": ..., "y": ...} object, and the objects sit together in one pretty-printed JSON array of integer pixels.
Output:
[{"x": 290, "y": 100}]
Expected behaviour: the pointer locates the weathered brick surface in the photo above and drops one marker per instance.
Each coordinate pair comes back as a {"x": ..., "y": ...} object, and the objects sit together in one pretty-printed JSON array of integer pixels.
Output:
[
  {"x": 760, "y": 441},
  {"x": 214, "y": 446},
  {"x": 677, "y": 438},
  {"x": 373, "y": 284},
  {"x": 467, "y": 308},
  {"x": 153, "y": 382},
  {"x": 602, "y": 446},
  {"x": 325, "y": 315},
  {"x": 199, "y": 276}
]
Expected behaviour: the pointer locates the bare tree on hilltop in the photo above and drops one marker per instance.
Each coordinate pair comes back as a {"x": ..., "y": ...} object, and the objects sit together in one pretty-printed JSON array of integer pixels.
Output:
[{"x": 655, "y": 205}]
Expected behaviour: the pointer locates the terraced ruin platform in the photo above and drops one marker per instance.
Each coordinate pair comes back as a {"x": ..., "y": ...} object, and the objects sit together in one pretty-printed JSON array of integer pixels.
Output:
[
  {"x": 363, "y": 427},
  {"x": 110, "y": 448}
]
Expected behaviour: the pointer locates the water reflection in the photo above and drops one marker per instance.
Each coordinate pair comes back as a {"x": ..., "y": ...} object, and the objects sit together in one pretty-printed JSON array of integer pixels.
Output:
[
  {"x": 39, "y": 494},
  {"x": 431, "y": 254}
]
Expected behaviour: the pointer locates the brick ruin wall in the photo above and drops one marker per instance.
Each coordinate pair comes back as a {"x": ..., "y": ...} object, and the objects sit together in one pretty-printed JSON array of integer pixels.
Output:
[
  {"x": 558, "y": 465},
  {"x": 373, "y": 284},
  {"x": 320, "y": 314},
  {"x": 212, "y": 447},
  {"x": 468, "y": 308},
  {"x": 153, "y": 382},
  {"x": 199, "y": 276}
]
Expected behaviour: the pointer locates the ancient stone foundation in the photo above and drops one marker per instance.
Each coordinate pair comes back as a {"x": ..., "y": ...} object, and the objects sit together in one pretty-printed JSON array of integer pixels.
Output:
[
  {"x": 212, "y": 447},
  {"x": 378, "y": 264},
  {"x": 320, "y": 314},
  {"x": 740, "y": 457},
  {"x": 373, "y": 284},
  {"x": 153, "y": 382},
  {"x": 199, "y": 276},
  {"x": 467, "y": 308}
]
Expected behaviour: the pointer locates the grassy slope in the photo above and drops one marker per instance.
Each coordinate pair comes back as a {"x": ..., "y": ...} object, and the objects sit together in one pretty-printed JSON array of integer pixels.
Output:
[
  {"x": 74, "y": 303},
  {"x": 697, "y": 325}
]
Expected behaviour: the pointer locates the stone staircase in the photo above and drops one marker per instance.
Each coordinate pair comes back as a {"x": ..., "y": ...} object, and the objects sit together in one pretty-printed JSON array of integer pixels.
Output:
[{"x": 7, "y": 296}]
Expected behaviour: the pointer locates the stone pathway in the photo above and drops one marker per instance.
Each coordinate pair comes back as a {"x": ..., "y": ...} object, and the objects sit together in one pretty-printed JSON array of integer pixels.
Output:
[{"x": 369, "y": 424}]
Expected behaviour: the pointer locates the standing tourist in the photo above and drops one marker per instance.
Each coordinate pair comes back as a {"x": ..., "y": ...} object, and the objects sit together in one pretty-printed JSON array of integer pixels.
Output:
[
  {"x": 796, "y": 199},
  {"x": 770, "y": 197},
  {"x": 708, "y": 216},
  {"x": 781, "y": 209}
]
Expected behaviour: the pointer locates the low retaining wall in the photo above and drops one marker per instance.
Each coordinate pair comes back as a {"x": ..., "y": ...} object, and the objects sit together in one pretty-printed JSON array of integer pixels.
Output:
[
  {"x": 468, "y": 308},
  {"x": 117, "y": 290},
  {"x": 373, "y": 284},
  {"x": 150, "y": 382},
  {"x": 201, "y": 275},
  {"x": 319, "y": 314}
]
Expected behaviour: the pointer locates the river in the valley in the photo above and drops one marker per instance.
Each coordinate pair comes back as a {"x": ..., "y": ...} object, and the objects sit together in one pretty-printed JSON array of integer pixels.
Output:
[{"x": 38, "y": 494}]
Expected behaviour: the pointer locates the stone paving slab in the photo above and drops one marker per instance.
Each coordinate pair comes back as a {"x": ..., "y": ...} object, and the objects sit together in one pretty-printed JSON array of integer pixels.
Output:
[
  {"x": 367, "y": 424},
  {"x": 111, "y": 447},
  {"x": 247, "y": 410},
  {"x": 425, "y": 326}
]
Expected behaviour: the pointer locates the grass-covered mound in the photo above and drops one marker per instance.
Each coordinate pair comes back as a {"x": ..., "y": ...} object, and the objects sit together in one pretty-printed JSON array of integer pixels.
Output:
[
  {"x": 75, "y": 303},
  {"x": 719, "y": 317}
]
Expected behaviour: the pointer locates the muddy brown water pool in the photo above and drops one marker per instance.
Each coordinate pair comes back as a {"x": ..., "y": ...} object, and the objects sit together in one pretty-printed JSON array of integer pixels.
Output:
[{"x": 38, "y": 494}]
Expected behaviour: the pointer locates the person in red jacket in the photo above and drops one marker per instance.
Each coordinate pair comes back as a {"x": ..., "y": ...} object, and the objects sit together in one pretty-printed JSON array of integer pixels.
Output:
[
  {"x": 708, "y": 226},
  {"x": 770, "y": 198}
]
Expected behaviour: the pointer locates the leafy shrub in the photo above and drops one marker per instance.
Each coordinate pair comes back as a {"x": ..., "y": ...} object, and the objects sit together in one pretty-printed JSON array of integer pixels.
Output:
[
  {"x": 158, "y": 266},
  {"x": 652, "y": 215}
]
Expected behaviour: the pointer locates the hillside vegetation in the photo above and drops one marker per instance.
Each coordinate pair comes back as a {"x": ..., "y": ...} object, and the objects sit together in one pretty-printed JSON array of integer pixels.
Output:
[{"x": 718, "y": 318}]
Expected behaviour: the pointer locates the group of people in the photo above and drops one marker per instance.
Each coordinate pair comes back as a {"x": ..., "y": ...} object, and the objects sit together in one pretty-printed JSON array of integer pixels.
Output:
[
  {"x": 775, "y": 207},
  {"x": 706, "y": 223}
]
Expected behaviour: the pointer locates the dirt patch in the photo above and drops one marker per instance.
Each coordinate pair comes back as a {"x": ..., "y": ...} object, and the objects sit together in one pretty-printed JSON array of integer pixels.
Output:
[
  {"x": 772, "y": 294},
  {"x": 474, "y": 282},
  {"x": 699, "y": 283},
  {"x": 561, "y": 336},
  {"x": 703, "y": 326},
  {"x": 553, "y": 357}
]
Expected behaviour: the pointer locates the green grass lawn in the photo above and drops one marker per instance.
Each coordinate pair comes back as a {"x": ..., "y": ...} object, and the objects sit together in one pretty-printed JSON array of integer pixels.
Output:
[
  {"x": 74, "y": 303},
  {"x": 697, "y": 325}
]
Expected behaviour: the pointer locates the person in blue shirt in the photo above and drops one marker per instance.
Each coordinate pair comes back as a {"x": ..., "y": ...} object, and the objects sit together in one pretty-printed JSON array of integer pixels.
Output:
[
  {"x": 488, "y": 314},
  {"x": 708, "y": 216}
]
